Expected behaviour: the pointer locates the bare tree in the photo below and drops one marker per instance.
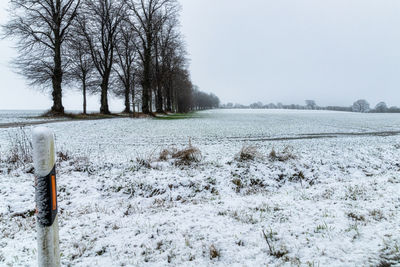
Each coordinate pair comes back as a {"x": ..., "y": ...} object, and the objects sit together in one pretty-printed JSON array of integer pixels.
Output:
[
  {"x": 175, "y": 63},
  {"x": 81, "y": 67},
  {"x": 125, "y": 67},
  {"x": 165, "y": 43},
  {"x": 183, "y": 85},
  {"x": 149, "y": 16},
  {"x": 203, "y": 100},
  {"x": 99, "y": 24},
  {"x": 41, "y": 28}
]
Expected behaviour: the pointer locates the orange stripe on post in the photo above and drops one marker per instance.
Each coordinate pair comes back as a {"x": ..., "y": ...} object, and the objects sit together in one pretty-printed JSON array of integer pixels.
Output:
[{"x": 53, "y": 193}]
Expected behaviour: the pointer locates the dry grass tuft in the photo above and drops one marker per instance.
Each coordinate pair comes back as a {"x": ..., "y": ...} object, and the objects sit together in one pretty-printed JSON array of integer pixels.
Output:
[
  {"x": 249, "y": 153},
  {"x": 355, "y": 217},
  {"x": 63, "y": 156},
  {"x": 143, "y": 162},
  {"x": 390, "y": 253},
  {"x": 214, "y": 253},
  {"x": 285, "y": 155},
  {"x": 20, "y": 152},
  {"x": 165, "y": 154},
  {"x": 185, "y": 156},
  {"x": 24, "y": 214},
  {"x": 81, "y": 164},
  {"x": 273, "y": 251}
]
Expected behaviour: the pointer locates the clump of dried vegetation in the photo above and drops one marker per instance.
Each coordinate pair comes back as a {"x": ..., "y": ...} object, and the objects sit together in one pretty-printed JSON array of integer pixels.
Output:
[
  {"x": 76, "y": 163},
  {"x": 390, "y": 253},
  {"x": 185, "y": 156},
  {"x": 355, "y": 217},
  {"x": 70, "y": 162},
  {"x": 144, "y": 162},
  {"x": 214, "y": 252},
  {"x": 249, "y": 153},
  {"x": 20, "y": 152},
  {"x": 63, "y": 156},
  {"x": 274, "y": 250},
  {"x": 81, "y": 164},
  {"x": 285, "y": 155}
]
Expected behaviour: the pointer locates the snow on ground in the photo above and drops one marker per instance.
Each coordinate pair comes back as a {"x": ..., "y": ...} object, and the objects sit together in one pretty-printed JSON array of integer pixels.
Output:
[
  {"x": 11, "y": 116},
  {"x": 329, "y": 201}
]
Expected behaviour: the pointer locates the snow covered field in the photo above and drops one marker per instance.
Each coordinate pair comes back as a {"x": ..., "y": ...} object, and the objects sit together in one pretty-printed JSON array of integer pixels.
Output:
[
  {"x": 328, "y": 196},
  {"x": 11, "y": 116}
]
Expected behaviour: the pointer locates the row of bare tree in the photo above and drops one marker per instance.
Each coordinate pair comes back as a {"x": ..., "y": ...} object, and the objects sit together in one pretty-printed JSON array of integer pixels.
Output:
[{"x": 131, "y": 48}]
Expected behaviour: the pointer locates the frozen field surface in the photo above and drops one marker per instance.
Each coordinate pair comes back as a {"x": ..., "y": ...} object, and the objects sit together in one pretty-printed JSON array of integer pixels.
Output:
[
  {"x": 11, "y": 116},
  {"x": 17, "y": 118},
  {"x": 317, "y": 189}
]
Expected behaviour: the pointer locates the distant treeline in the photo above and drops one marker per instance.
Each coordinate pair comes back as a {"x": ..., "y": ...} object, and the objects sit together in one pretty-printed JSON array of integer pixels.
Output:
[
  {"x": 203, "y": 100},
  {"x": 132, "y": 49},
  {"x": 359, "y": 106}
]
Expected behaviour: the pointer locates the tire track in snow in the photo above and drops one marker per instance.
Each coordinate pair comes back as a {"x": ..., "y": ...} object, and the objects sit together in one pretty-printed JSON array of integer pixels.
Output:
[{"x": 316, "y": 136}]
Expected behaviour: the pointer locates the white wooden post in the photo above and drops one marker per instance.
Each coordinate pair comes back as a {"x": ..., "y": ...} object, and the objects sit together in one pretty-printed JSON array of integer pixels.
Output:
[{"x": 46, "y": 197}]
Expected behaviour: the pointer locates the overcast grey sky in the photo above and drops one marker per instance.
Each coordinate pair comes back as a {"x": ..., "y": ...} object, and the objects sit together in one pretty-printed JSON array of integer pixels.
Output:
[{"x": 333, "y": 51}]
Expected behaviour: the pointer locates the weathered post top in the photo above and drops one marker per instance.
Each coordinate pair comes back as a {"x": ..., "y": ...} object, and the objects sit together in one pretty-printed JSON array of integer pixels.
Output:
[{"x": 43, "y": 151}]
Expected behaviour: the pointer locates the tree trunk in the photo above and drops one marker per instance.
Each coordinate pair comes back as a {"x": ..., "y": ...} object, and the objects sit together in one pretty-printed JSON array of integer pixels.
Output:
[
  {"x": 151, "y": 100},
  {"x": 127, "y": 99},
  {"x": 84, "y": 97},
  {"x": 165, "y": 100},
  {"x": 104, "y": 94},
  {"x": 169, "y": 102},
  {"x": 57, "y": 107},
  {"x": 159, "y": 101},
  {"x": 175, "y": 101},
  {"x": 155, "y": 99},
  {"x": 146, "y": 82},
  {"x": 133, "y": 102},
  {"x": 158, "y": 91}
]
